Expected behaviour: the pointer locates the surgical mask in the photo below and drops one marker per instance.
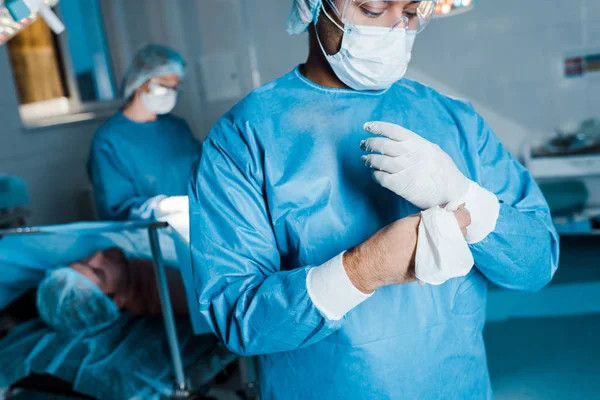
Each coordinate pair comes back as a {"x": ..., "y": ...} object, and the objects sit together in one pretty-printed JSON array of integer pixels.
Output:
[
  {"x": 371, "y": 58},
  {"x": 159, "y": 100}
]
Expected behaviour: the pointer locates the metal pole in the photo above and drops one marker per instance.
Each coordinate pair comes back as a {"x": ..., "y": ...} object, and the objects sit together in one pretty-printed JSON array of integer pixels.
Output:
[{"x": 169, "y": 320}]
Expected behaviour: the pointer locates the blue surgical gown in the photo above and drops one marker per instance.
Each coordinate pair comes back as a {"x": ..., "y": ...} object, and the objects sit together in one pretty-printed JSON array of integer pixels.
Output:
[
  {"x": 134, "y": 165},
  {"x": 281, "y": 188}
]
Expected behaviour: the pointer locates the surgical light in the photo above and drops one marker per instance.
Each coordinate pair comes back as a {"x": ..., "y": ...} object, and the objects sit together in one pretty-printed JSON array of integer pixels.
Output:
[
  {"x": 446, "y": 8},
  {"x": 16, "y": 15}
]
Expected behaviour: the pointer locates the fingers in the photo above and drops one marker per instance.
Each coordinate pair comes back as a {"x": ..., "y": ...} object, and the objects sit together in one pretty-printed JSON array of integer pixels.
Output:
[
  {"x": 392, "y": 131},
  {"x": 383, "y": 178},
  {"x": 463, "y": 217},
  {"x": 391, "y": 165},
  {"x": 457, "y": 208},
  {"x": 380, "y": 145},
  {"x": 455, "y": 205},
  {"x": 381, "y": 163},
  {"x": 390, "y": 147}
]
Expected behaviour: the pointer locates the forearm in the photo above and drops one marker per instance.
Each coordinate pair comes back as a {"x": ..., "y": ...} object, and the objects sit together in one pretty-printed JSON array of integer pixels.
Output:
[
  {"x": 366, "y": 263},
  {"x": 521, "y": 253},
  {"x": 260, "y": 315},
  {"x": 288, "y": 310}
]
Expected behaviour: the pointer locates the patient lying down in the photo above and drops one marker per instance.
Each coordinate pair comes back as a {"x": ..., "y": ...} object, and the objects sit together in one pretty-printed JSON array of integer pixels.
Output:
[{"x": 89, "y": 294}]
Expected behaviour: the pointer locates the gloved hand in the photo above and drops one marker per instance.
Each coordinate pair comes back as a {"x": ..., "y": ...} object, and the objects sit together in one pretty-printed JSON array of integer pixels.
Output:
[
  {"x": 175, "y": 211},
  {"x": 172, "y": 205},
  {"x": 413, "y": 167},
  {"x": 422, "y": 173}
]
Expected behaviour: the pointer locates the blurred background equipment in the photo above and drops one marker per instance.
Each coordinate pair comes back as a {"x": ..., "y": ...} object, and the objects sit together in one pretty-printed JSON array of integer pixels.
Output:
[
  {"x": 446, "y": 8},
  {"x": 569, "y": 141},
  {"x": 14, "y": 198},
  {"x": 16, "y": 15},
  {"x": 35, "y": 65},
  {"x": 567, "y": 167}
]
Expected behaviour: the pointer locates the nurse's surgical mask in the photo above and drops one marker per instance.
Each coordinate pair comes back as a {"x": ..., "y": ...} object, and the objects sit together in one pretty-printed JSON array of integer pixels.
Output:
[
  {"x": 377, "y": 42},
  {"x": 159, "y": 99}
]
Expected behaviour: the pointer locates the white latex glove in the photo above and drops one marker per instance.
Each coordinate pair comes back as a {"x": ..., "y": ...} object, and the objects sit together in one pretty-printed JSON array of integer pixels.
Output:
[
  {"x": 413, "y": 167},
  {"x": 175, "y": 211},
  {"x": 442, "y": 252},
  {"x": 422, "y": 173},
  {"x": 172, "y": 205},
  {"x": 180, "y": 222}
]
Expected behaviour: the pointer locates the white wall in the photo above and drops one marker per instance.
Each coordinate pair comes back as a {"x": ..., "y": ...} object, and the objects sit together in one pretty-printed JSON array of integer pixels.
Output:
[
  {"x": 52, "y": 161},
  {"x": 251, "y": 33},
  {"x": 200, "y": 31},
  {"x": 507, "y": 57}
]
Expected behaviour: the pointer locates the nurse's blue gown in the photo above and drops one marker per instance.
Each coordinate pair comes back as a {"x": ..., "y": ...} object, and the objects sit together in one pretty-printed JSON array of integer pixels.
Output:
[
  {"x": 133, "y": 165},
  {"x": 281, "y": 188}
]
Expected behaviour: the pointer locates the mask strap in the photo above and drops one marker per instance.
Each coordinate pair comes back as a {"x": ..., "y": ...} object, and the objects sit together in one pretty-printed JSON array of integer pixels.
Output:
[
  {"x": 331, "y": 19},
  {"x": 321, "y": 44}
]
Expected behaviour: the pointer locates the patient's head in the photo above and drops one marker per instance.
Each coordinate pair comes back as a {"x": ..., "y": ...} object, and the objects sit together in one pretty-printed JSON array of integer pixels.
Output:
[
  {"x": 89, "y": 294},
  {"x": 108, "y": 270},
  {"x": 86, "y": 296}
]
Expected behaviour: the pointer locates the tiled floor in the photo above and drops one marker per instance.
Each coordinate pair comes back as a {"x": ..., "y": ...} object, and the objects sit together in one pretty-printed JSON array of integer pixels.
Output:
[{"x": 545, "y": 359}]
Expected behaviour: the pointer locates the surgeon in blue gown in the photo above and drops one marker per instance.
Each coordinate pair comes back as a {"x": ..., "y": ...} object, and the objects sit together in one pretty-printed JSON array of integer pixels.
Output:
[
  {"x": 304, "y": 260},
  {"x": 141, "y": 158}
]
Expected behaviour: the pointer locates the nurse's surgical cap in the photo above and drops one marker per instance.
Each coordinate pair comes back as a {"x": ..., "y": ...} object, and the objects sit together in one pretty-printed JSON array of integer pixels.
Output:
[
  {"x": 304, "y": 12},
  {"x": 151, "y": 61}
]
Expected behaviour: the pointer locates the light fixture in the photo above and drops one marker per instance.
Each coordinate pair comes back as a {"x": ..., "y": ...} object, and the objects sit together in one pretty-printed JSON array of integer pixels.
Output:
[
  {"x": 16, "y": 15},
  {"x": 447, "y": 8}
]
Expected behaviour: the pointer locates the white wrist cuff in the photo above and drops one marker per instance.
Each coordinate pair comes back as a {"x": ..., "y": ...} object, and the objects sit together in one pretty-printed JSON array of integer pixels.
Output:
[
  {"x": 485, "y": 210},
  {"x": 331, "y": 291}
]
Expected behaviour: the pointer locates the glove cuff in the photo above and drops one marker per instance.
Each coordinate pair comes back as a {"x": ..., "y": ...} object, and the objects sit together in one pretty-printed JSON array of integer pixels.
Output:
[
  {"x": 442, "y": 252},
  {"x": 485, "y": 210}
]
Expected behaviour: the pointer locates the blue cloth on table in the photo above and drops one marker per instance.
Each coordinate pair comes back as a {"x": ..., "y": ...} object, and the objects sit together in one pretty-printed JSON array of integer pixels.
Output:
[
  {"x": 128, "y": 360},
  {"x": 25, "y": 259},
  {"x": 129, "y": 357}
]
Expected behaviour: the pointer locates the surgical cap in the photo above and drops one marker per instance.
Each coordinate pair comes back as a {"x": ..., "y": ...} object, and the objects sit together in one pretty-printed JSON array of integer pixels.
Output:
[
  {"x": 69, "y": 302},
  {"x": 151, "y": 61},
  {"x": 304, "y": 12}
]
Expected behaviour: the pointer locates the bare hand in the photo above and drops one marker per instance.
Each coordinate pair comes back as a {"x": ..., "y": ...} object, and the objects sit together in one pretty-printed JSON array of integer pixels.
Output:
[
  {"x": 387, "y": 258},
  {"x": 463, "y": 216}
]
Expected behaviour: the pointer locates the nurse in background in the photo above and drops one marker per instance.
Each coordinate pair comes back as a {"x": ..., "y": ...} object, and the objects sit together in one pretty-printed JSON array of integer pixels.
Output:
[{"x": 140, "y": 160}]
